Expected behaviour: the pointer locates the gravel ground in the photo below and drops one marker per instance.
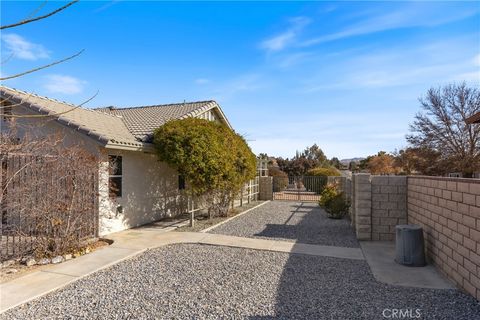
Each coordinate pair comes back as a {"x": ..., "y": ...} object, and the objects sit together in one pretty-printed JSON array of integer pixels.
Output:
[
  {"x": 203, "y": 222},
  {"x": 190, "y": 281},
  {"x": 291, "y": 221}
]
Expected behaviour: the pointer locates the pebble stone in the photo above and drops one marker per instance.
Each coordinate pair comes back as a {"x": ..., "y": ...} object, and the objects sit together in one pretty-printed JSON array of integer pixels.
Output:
[
  {"x": 291, "y": 221},
  {"x": 192, "y": 281},
  {"x": 30, "y": 262},
  {"x": 7, "y": 263},
  {"x": 57, "y": 259},
  {"x": 44, "y": 261}
]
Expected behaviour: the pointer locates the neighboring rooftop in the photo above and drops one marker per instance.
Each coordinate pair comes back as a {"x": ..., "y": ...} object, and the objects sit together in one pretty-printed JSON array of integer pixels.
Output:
[
  {"x": 475, "y": 118},
  {"x": 114, "y": 126}
]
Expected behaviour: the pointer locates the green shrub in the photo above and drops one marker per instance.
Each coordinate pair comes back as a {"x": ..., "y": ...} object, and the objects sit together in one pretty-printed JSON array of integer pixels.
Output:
[
  {"x": 338, "y": 206},
  {"x": 215, "y": 161},
  {"x": 327, "y": 172},
  {"x": 328, "y": 193},
  {"x": 334, "y": 202}
]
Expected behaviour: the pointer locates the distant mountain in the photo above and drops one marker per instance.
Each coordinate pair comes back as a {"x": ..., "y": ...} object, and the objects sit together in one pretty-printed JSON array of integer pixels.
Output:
[{"x": 347, "y": 161}]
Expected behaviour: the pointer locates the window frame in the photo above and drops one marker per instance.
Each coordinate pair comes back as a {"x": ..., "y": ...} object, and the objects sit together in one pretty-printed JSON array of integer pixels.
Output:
[{"x": 115, "y": 193}]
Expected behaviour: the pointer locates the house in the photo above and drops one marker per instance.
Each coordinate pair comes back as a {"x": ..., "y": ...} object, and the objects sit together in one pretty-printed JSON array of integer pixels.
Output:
[
  {"x": 475, "y": 118},
  {"x": 140, "y": 189}
]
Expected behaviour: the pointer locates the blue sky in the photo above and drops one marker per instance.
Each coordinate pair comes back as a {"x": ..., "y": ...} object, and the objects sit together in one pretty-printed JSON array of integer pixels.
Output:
[{"x": 346, "y": 75}]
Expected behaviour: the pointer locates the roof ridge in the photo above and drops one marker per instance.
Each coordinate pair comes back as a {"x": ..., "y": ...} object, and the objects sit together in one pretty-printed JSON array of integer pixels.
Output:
[
  {"x": 37, "y": 95},
  {"x": 56, "y": 101},
  {"x": 157, "y": 105}
]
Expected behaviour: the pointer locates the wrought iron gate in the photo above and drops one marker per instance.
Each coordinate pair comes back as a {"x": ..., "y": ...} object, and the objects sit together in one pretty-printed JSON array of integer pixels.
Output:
[{"x": 298, "y": 188}]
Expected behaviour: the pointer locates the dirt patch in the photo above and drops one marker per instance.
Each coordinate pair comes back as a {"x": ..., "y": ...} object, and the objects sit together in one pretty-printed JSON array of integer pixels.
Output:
[{"x": 22, "y": 269}]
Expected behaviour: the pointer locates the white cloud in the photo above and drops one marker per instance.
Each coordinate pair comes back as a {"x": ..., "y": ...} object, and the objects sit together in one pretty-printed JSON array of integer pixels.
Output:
[
  {"x": 249, "y": 82},
  {"x": 290, "y": 60},
  {"x": 287, "y": 37},
  {"x": 432, "y": 63},
  {"x": 476, "y": 60},
  {"x": 56, "y": 83},
  {"x": 202, "y": 81},
  {"x": 410, "y": 15},
  {"x": 23, "y": 49}
]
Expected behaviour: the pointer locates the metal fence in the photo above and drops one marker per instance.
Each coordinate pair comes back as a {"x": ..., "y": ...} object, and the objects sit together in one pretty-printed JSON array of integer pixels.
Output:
[
  {"x": 44, "y": 200},
  {"x": 298, "y": 188}
]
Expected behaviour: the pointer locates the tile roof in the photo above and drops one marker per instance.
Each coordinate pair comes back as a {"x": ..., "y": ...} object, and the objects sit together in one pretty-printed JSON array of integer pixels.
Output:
[
  {"x": 130, "y": 127},
  {"x": 142, "y": 121}
]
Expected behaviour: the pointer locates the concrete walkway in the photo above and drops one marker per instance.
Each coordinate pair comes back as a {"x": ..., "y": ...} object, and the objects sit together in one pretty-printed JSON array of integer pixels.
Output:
[{"x": 132, "y": 242}]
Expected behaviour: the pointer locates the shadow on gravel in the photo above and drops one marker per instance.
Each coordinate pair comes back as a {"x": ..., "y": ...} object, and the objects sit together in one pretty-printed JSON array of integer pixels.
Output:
[
  {"x": 308, "y": 223},
  {"x": 313, "y": 287}
]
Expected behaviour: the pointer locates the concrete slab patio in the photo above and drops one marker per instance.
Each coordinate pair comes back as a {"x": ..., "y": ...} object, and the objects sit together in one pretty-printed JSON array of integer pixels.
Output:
[{"x": 380, "y": 256}]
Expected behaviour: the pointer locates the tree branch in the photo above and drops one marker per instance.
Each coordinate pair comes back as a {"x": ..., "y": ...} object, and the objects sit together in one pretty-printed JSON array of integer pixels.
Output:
[
  {"x": 42, "y": 67},
  {"x": 25, "y": 21}
]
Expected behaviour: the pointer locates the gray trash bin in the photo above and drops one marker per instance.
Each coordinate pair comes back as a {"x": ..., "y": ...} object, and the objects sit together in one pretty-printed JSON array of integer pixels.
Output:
[{"x": 409, "y": 247}]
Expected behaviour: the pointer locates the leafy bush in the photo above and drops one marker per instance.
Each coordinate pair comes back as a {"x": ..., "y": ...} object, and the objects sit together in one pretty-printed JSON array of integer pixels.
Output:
[
  {"x": 327, "y": 172},
  {"x": 328, "y": 193},
  {"x": 338, "y": 206},
  {"x": 334, "y": 202},
  {"x": 215, "y": 161}
]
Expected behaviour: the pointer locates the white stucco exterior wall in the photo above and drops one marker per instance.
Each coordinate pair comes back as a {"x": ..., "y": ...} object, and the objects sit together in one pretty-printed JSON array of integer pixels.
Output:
[{"x": 149, "y": 192}]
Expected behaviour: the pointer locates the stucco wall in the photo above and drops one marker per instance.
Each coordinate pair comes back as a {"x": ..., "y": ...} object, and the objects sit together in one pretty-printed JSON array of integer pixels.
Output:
[
  {"x": 149, "y": 192},
  {"x": 39, "y": 128}
]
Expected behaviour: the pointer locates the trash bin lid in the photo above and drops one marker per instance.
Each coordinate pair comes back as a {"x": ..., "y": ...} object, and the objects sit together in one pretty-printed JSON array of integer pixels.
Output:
[{"x": 408, "y": 227}]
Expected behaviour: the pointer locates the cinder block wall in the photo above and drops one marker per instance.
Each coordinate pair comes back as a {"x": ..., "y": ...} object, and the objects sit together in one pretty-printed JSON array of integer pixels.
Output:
[
  {"x": 389, "y": 205},
  {"x": 362, "y": 202},
  {"x": 448, "y": 209}
]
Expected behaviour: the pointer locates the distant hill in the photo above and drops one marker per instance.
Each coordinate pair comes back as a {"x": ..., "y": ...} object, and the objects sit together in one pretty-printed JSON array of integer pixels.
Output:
[{"x": 347, "y": 161}]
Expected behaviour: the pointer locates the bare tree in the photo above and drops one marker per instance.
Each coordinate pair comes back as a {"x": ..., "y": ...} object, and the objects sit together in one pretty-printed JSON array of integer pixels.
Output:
[
  {"x": 48, "y": 195},
  {"x": 30, "y": 19},
  {"x": 441, "y": 127}
]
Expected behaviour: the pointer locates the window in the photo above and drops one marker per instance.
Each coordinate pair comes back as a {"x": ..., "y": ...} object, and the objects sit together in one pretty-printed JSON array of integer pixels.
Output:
[
  {"x": 115, "y": 176},
  {"x": 181, "y": 182}
]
